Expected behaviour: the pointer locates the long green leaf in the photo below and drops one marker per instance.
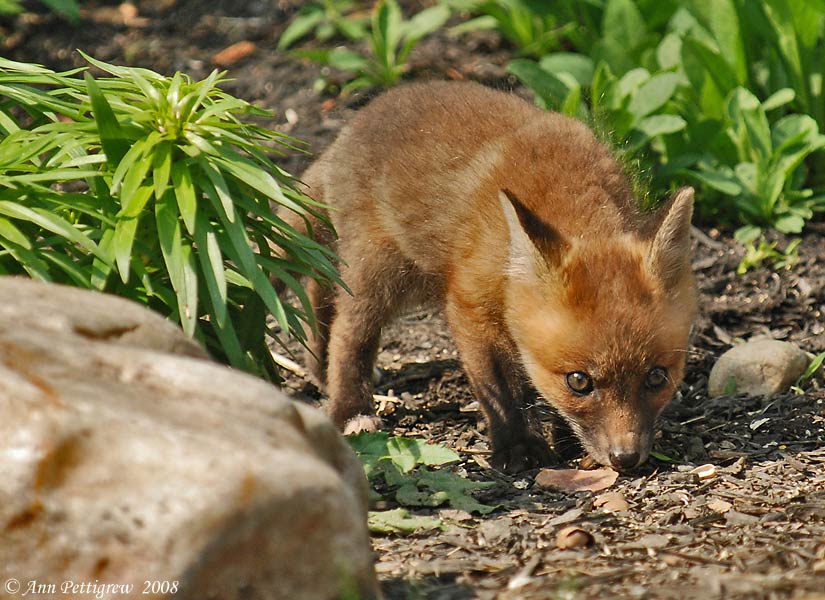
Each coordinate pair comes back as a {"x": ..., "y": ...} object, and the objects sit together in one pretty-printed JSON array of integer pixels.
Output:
[{"x": 115, "y": 144}]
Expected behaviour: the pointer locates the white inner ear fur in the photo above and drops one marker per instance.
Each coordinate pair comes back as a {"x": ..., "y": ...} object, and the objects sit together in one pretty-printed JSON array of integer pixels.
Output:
[
  {"x": 523, "y": 257},
  {"x": 670, "y": 250}
]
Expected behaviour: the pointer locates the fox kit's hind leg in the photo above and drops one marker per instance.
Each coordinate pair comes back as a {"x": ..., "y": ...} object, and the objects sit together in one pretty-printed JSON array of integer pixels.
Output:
[{"x": 499, "y": 386}]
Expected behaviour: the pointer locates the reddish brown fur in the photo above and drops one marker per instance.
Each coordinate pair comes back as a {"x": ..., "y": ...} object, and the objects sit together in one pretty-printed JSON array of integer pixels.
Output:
[{"x": 566, "y": 275}]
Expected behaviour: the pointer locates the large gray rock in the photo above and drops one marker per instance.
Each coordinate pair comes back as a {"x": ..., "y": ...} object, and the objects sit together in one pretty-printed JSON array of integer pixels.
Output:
[
  {"x": 757, "y": 368},
  {"x": 125, "y": 464}
]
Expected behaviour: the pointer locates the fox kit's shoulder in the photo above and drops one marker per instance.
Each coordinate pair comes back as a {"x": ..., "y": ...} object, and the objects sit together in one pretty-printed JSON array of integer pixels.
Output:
[{"x": 467, "y": 141}]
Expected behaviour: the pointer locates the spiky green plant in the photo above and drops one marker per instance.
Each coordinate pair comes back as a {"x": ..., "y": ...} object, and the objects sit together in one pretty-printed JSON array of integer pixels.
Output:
[{"x": 159, "y": 190}]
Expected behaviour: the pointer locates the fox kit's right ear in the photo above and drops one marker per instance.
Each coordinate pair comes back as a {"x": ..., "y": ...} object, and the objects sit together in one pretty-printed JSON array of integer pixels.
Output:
[{"x": 534, "y": 245}]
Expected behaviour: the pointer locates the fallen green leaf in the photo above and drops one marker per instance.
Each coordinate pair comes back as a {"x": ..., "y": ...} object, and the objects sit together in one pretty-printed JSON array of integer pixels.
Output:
[{"x": 400, "y": 521}]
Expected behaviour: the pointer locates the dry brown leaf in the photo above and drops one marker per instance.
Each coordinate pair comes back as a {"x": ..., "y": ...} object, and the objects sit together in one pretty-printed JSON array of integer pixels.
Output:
[
  {"x": 573, "y": 537},
  {"x": 720, "y": 506},
  {"x": 653, "y": 540},
  {"x": 232, "y": 54},
  {"x": 575, "y": 480},
  {"x": 611, "y": 502}
]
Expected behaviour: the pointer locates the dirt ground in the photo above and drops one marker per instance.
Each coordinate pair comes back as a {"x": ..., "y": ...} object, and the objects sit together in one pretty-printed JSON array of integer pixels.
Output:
[{"x": 756, "y": 530}]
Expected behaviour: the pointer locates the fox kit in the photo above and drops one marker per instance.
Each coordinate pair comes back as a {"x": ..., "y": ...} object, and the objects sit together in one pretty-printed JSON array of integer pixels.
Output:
[{"x": 523, "y": 228}]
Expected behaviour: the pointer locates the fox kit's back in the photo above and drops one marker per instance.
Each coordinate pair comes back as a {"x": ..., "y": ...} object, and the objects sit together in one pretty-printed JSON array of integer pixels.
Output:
[{"x": 522, "y": 226}]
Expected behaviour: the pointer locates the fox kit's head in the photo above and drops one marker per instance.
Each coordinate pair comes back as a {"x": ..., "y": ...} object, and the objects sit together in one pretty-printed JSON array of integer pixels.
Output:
[{"x": 602, "y": 323}]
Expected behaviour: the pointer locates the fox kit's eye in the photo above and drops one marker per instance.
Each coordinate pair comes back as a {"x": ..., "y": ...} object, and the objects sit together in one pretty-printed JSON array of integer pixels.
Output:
[
  {"x": 656, "y": 378},
  {"x": 579, "y": 383}
]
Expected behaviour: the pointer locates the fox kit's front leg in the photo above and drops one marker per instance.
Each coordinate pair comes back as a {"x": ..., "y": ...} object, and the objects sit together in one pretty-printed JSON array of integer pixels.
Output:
[{"x": 499, "y": 385}]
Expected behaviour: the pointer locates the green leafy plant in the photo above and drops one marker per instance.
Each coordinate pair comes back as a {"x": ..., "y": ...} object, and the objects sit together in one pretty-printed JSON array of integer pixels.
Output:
[
  {"x": 391, "y": 39},
  {"x": 814, "y": 367},
  {"x": 725, "y": 93},
  {"x": 325, "y": 19},
  {"x": 155, "y": 189},
  {"x": 531, "y": 26},
  {"x": 66, "y": 8},
  {"x": 399, "y": 465},
  {"x": 758, "y": 250},
  {"x": 758, "y": 167},
  {"x": 628, "y": 108}
]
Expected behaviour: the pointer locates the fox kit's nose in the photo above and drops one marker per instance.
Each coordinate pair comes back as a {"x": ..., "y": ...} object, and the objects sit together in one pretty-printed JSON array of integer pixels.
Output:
[{"x": 622, "y": 461}]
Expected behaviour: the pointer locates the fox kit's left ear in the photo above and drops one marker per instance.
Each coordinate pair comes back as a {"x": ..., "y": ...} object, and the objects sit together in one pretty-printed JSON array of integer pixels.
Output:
[
  {"x": 669, "y": 255},
  {"x": 534, "y": 245}
]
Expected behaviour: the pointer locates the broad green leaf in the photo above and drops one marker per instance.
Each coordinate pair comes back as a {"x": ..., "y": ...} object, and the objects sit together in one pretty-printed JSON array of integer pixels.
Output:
[
  {"x": 67, "y": 8},
  {"x": 623, "y": 28},
  {"x": 631, "y": 82},
  {"x": 661, "y": 125},
  {"x": 721, "y": 19},
  {"x": 623, "y": 22},
  {"x": 653, "y": 94},
  {"x": 752, "y": 134},
  {"x": 425, "y": 22},
  {"x": 669, "y": 52},
  {"x": 400, "y": 521},
  {"x": 778, "y": 98},
  {"x": 405, "y": 453},
  {"x": 434, "y": 488},
  {"x": 578, "y": 65},
  {"x": 550, "y": 90},
  {"x": 709, "y": 75},
  {"x": 482, "y": 23},
  {"x": 386, "y": 31},
  {"x": 789, "y": 224},
  {"x": 720, "y": 181},
  {"x": 747, "y": 234}
]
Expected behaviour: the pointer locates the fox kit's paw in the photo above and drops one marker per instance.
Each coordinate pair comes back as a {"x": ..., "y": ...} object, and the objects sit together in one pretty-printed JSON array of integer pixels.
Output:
[
  {"x": 528, "y": 453},
  {"x": 363, "y": 423}
]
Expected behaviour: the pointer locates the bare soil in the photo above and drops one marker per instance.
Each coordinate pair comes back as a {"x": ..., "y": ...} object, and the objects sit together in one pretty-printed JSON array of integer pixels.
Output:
[{"x": 756, "y": 530}]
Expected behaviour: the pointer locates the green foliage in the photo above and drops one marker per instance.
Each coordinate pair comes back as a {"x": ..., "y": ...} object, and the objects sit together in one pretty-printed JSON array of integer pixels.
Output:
[
  {"x": 759, "y": 250},
  {"x": 724, "y": 93},
  {"x": 400, "y": 465},
  {"x": 399, "y": 521},
  {"x": 391, "y": 39},
  {"x": 377, "y": 450},
  {"x": 154, "y": 189},
  {"x": 325, "y": 19},
  {"x": 813, "y": 368},
  {"x": 66, "y": 8},
  {"x": 531, "y": 26}
]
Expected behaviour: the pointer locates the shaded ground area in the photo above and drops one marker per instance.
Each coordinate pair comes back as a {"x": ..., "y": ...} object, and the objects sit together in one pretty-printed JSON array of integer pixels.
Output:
[{"x": 756, "y": 530}]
